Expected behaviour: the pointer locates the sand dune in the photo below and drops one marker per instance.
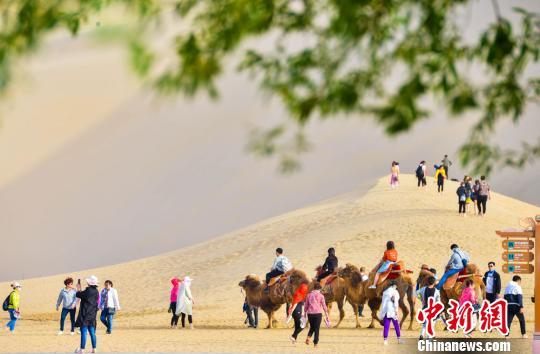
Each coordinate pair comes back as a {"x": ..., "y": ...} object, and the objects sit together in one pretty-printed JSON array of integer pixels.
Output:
[{"x": 422, "y": 224}]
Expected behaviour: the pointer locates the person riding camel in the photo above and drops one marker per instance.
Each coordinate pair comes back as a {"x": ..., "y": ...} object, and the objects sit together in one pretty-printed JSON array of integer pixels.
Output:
[
  {"x": 389, "y": 258},
  {"x": 281, "y": 265},
  {"x": 458, "y": 261},
  {"x": 330, "y": 264}
]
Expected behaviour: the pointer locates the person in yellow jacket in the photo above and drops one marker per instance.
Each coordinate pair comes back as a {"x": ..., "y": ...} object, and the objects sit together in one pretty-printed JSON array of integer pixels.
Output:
[
  {"x": 440, "y": 176},
  {"x": 13, "y": 307}
]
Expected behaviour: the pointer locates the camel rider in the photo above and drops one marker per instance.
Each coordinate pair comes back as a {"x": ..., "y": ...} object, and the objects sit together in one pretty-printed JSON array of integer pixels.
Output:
[
  {"x": 281, "y": 265},
  {"x": 330, "y": 264},
  {"x": 457, "y": 262},
  {"x": 389, "y": 258}
]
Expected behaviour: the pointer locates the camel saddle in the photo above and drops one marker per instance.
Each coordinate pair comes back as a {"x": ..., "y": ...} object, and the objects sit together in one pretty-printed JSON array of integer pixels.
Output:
[
  {"x": 328, "y": 279},
  {"x": 460, "y": 277},
  {"x": 394, "y": 271},
  {"x": 280, "y": 278}
]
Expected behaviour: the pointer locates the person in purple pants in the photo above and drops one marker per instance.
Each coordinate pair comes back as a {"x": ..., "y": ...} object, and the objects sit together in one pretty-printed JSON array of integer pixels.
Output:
[{"x": 389, "y": 311}]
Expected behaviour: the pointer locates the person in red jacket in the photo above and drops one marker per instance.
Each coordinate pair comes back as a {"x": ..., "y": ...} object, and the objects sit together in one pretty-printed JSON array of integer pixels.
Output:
[{"x": 296, "y": 311}]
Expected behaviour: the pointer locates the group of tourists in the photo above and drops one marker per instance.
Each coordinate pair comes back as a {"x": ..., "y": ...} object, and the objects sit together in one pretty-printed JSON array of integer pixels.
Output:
[
  {"x": 310, "y": 307},
  {"x": 90, "y": 301},
  {"x": 472, "y": 196}
]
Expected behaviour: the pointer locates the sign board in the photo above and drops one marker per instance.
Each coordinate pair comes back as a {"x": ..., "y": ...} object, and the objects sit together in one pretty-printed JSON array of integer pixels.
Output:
[
  {"x": 518, "y": 245},
  {"x": 518, "y": 268},
  {"x": 516, "y": 233},
  {"x": 517, "y": 256}
]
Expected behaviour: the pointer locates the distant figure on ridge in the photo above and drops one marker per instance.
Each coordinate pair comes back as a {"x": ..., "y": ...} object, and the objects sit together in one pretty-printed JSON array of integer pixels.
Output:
[
  {"x": 446, "y": 163},
  {"x": 440, "y": 176},
  {"x": 394, "y": 174},
  {"x": 421, "y": 173},
  {"x": 484, "y": 193}
]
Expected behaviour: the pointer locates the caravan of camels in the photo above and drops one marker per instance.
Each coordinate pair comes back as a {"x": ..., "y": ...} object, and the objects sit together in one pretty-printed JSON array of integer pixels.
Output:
[{"x": 349, "y": 284}]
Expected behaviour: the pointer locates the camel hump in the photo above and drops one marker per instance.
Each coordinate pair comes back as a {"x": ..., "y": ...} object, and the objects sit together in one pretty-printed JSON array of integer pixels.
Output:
[
  {"x": 280, "y": 278},
  {"x": 472, "y": 269},
  {"x": 327, "y": 280}
]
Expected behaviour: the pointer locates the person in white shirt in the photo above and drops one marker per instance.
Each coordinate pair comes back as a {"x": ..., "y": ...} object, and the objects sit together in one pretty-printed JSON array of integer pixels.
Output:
[
  {"x": 513, "y": 294},
  {"x": 108, "y": 304},
  {"x": 281, "y": 265}
]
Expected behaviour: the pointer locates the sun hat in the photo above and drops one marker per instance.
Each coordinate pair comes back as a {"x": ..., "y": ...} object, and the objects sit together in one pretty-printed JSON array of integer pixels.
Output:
[
  {"x": 92, "y": 280},
  {"x": 16, "y": 285}
]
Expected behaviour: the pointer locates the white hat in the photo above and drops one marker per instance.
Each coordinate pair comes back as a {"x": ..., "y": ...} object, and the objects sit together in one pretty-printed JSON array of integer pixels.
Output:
[
  {"x": 15, "y": 285},
  {"x": 92, "y": 280}
]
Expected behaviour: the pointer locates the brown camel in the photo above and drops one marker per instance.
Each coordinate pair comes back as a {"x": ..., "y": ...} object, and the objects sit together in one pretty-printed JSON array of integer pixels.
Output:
[
  {"x": 333, "y": 292},
  {"x": 455, "y": 291},
  {"x": 278, "y": 294},
  {"x": 358, "y": 293}
]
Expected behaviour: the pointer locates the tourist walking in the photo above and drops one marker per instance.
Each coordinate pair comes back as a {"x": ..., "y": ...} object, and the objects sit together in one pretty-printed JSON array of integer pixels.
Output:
[
  {"x": 252, "y": 314},
  {"x": 184, "y": 303},
  {"x": 394, "y": 174},
  {"x": 513, "y": 294},
  {"x": 68, "y": 299},
  {"x": 173, "y": 298},
  {"x": 109, "y": 305},
  {"x": 12, "y": 304},
  {"x": 315, "y": 307},
  {"x": 462, "y": 198},
  {"x": 296, "y": 311},
  {"x": 484, "y": 193},
  {"x": 492, "y": 281},
  {"x": 88, "y": 309},
  {"x": 421, "y": 174},
  {"x": 440, "y": 176},
  {"x": 446, "y": 163},
  {"x": 389, "y": 311}
]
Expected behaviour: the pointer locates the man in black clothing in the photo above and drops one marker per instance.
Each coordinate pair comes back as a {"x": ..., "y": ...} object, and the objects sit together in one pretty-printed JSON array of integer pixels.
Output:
[
  {"x": 330, "y": 264},
  {"x": 492, "y": 281}
]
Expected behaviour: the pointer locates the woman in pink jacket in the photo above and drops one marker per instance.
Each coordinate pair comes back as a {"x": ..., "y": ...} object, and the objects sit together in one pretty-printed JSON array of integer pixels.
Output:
[
  {"x": 174, "y": 295},
  {"x": 315, "y": 306}
]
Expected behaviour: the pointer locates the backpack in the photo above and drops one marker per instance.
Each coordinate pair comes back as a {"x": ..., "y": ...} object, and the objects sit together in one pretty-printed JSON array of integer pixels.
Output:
[
  {"x": 419, "y": 171},
  {"x": 5, "y": 304}
]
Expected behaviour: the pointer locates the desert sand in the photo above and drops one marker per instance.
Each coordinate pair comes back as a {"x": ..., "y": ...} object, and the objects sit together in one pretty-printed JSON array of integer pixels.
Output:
[{"x": 421, "y": 223}]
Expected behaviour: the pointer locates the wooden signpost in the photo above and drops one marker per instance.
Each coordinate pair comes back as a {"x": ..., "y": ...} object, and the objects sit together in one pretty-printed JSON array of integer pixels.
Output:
[{"x": 517, "y": 244}]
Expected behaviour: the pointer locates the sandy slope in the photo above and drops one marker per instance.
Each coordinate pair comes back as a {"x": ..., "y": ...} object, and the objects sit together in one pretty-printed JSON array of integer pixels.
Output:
[{"x": 422, "y": 224}]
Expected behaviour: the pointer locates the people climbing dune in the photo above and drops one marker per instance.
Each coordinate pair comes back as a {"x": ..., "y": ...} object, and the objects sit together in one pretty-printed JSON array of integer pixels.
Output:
[
  {"x": 389, "y": 258},
  {"x": 421, "y": 174},
  {"x": 394, "y": 174},
  {"x": 330, "y": 264},
  {"x": 458, "y": 261},
  {"x": 440, "y": 176}
]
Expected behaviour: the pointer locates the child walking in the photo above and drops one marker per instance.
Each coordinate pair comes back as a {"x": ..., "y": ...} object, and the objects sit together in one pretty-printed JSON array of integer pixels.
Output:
[{"x": 389, "y": 311}]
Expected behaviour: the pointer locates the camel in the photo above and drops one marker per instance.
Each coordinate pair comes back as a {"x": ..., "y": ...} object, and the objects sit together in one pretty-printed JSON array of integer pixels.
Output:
[
  {"x": 455, "y": 291},
  {"x": 358, "y": 293},
  {"x": 278, "y": 293},
  {"x": 333, "y": 292}
]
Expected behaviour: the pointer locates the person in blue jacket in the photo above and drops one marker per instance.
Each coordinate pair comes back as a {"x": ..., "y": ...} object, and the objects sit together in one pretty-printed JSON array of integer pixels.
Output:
[{"x": 513, "y": 294}]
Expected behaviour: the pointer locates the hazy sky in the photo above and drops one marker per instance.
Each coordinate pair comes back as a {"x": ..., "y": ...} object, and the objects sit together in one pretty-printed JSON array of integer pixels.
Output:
[{"x": 97, "y": 170}]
